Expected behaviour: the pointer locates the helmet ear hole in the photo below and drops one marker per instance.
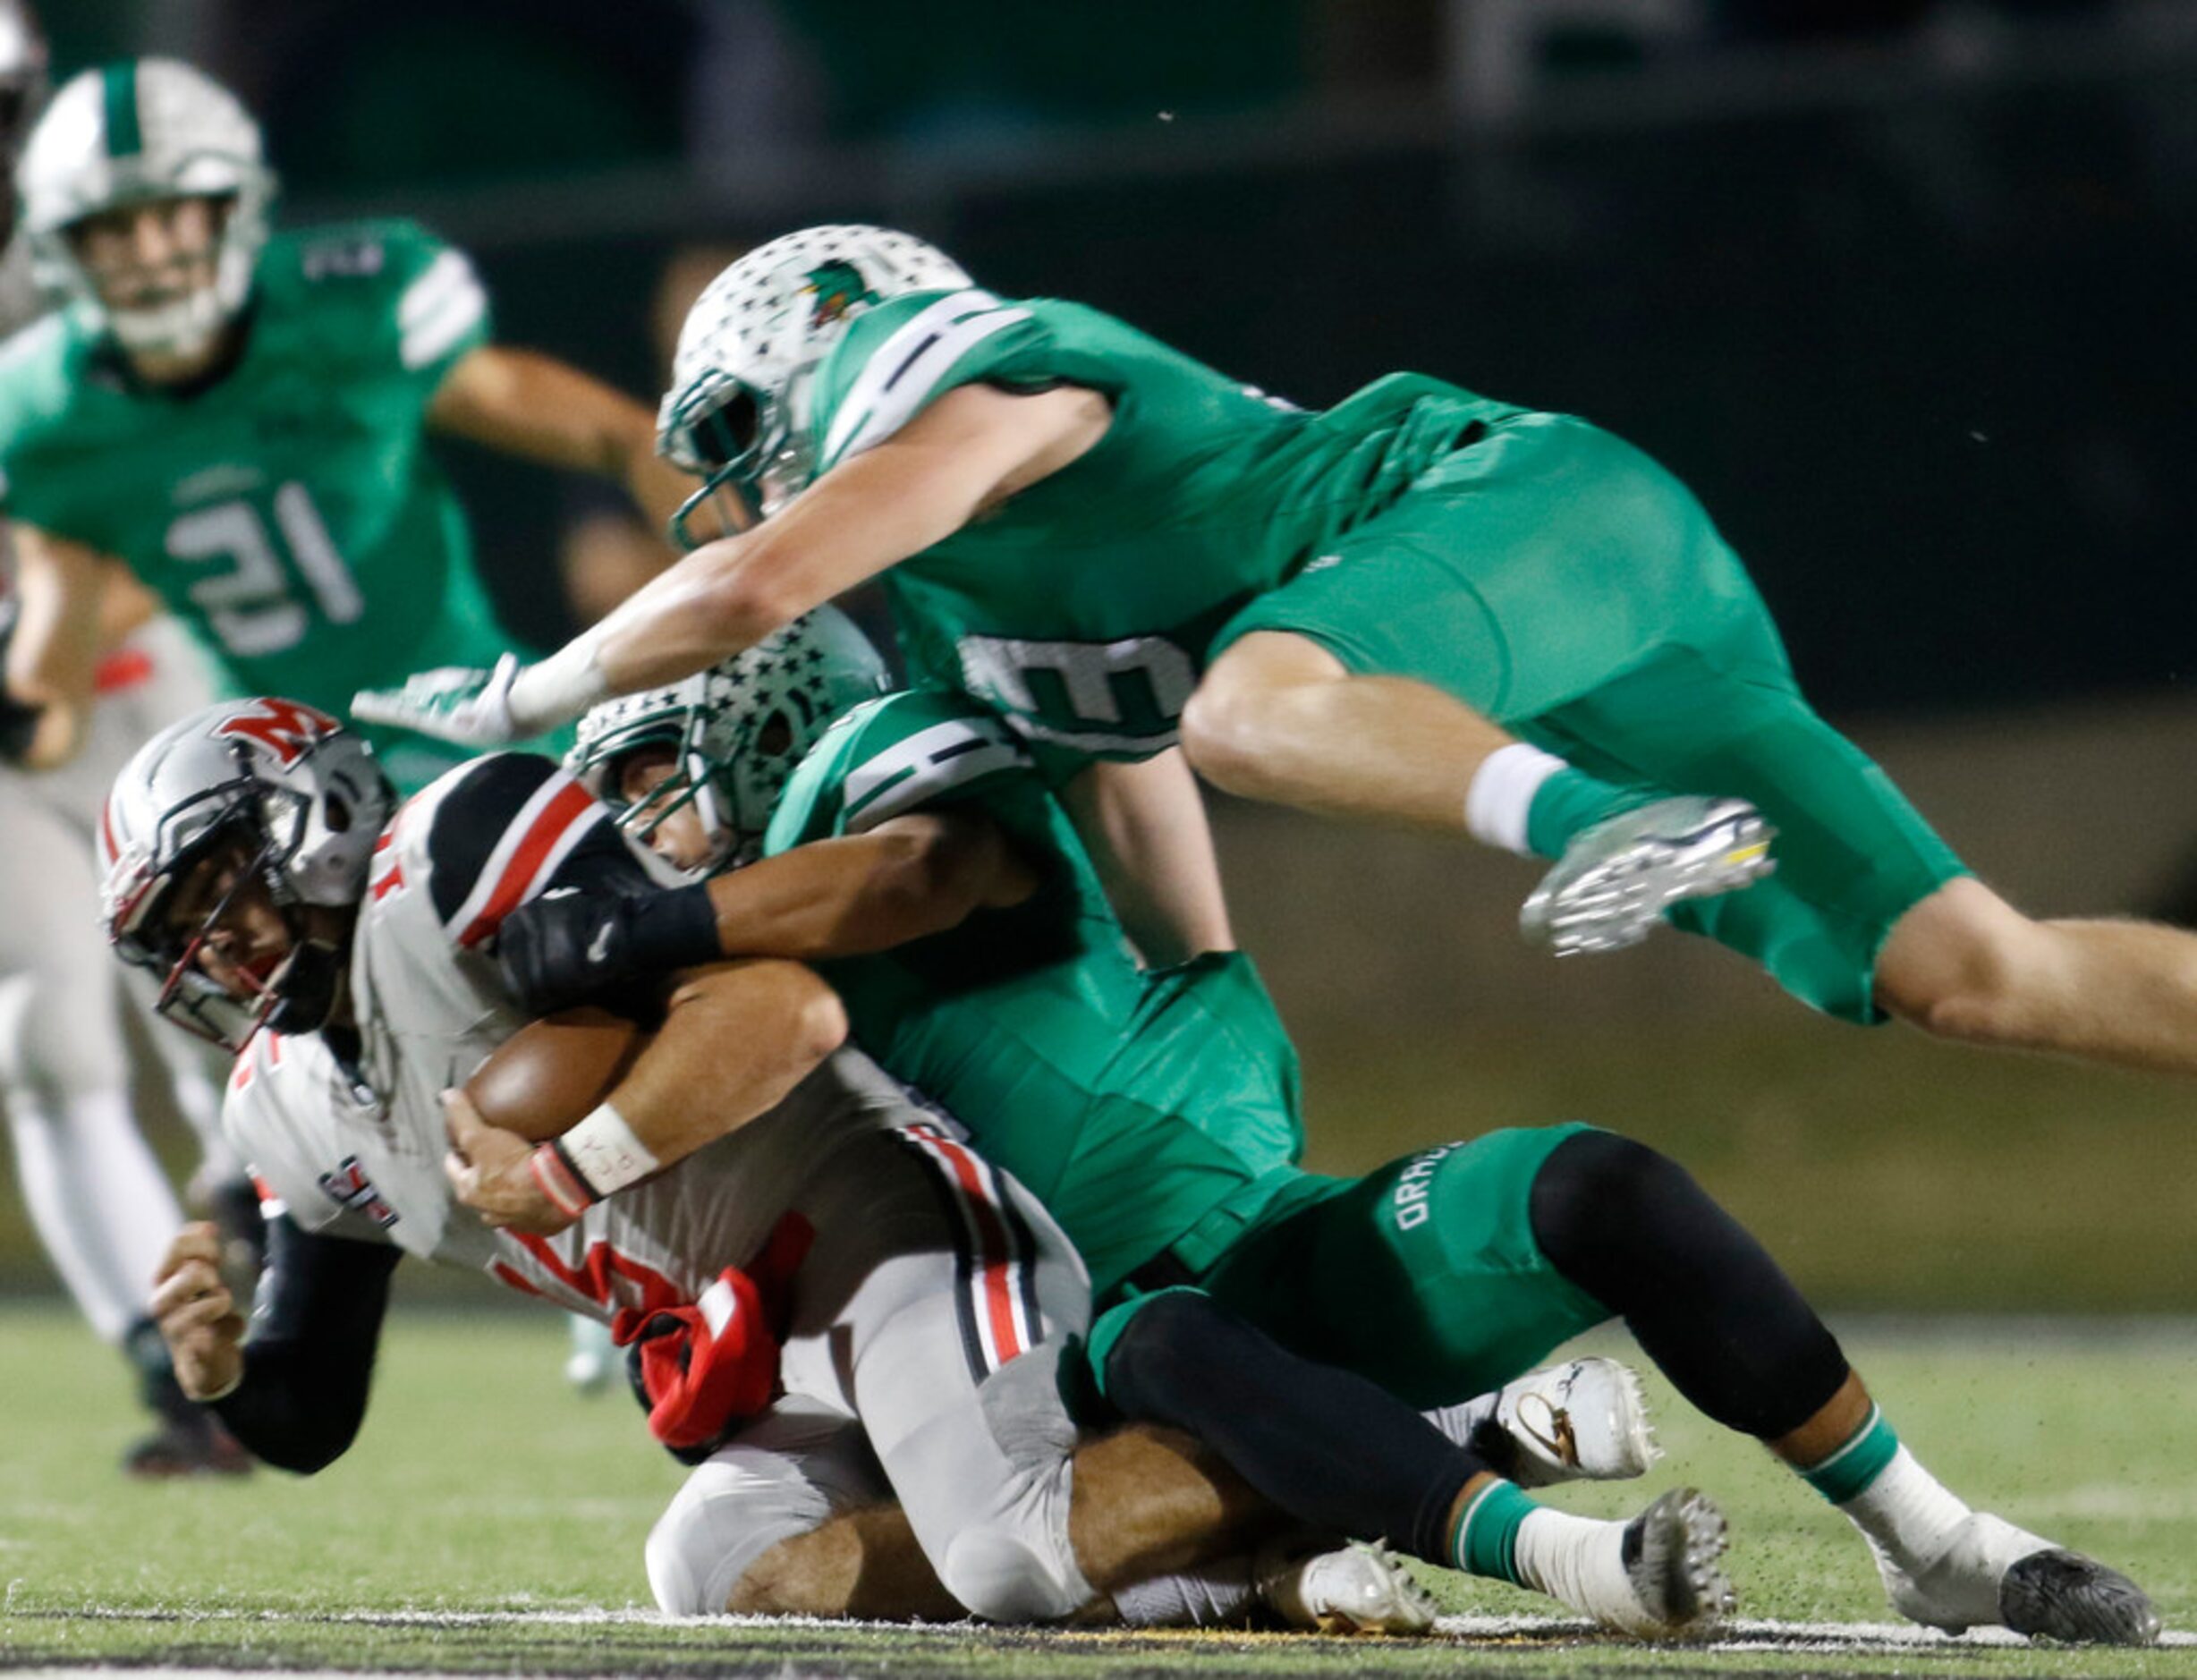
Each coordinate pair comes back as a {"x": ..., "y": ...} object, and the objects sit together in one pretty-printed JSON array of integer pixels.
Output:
[
  {"x": 335, "y": 812},
  {"x": 775, "y": 740}
]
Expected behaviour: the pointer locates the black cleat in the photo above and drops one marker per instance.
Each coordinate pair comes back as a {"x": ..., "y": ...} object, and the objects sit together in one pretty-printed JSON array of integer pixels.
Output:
[{"x": 187, "y": 1447}]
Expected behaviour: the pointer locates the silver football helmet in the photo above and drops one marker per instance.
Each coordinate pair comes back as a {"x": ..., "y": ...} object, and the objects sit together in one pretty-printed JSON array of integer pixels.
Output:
[
  {"x": 737, "y": 413},
  {"x": 738, "y": 729},
  {"x": 302, "y": 801},
  {"x": 130, "y": 132}
]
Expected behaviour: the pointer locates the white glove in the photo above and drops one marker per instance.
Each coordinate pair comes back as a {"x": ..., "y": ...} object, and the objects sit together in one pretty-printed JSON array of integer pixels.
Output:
[{"x": 454, "y": 702}]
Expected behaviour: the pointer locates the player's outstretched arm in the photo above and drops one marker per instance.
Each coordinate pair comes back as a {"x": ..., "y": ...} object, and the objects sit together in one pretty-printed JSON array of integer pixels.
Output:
[
  {"x": 1144, "y": 826},
  {"x": 56, "y": 644},
  {"x": 906, "y": 879},
  {"x": 970, "y": 450},
  {"x": 296, "y": 1393},
  {"x": 523, "y": 403}
]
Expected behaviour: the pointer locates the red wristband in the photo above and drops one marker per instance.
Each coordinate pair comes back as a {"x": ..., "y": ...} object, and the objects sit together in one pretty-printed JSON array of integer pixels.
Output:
[{"x": 554, "y": 1175}]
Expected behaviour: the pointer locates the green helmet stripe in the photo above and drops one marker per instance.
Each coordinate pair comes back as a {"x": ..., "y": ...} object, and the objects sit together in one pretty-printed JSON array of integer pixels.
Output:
[{"x": 125, "y": 137}]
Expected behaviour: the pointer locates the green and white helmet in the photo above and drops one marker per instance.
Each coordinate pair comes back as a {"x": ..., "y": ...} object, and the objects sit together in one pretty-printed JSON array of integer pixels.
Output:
[
  {"x": 737, "y": 413},
  {"x": 738, "y": 729},
  {"x": 132, "y": 132}
]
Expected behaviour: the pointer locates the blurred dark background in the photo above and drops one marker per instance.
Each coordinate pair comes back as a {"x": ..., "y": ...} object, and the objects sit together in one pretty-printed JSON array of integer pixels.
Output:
[{"x": 1903, "y": 288}]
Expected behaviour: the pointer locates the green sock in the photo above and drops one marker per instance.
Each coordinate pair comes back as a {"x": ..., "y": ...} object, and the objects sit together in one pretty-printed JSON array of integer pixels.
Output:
[
  {"x": 1572, "y": 800},
  {"x": 1847, "y": 1473},
  {"x": 1486, "y": 1541}
]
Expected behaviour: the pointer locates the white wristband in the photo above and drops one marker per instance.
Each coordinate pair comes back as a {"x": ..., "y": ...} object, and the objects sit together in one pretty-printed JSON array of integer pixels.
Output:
[
  {"x": 1501, "y": 796},
  {"x": 552, "y": 693},
  {"x": 603, "y": 1150}
]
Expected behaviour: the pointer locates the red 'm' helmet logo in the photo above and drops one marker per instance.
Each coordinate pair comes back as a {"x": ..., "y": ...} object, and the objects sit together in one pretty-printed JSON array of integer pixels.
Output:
[{"x": 284, "y": 727}]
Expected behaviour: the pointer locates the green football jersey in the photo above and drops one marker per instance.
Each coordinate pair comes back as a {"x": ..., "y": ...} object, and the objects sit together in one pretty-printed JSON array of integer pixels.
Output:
[
  {"x": 1083, "y": 609},
  {"x": 1139, "y": 1108},
  {"x": 290, "y": 512}
]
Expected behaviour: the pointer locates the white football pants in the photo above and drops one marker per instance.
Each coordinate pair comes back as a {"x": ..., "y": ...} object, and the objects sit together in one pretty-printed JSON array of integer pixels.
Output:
[{"x": 98, "y": 1199}]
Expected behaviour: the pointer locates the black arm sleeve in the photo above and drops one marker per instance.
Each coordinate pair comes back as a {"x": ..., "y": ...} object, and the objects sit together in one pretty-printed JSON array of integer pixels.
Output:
[{"x": 310, "y": 1356}]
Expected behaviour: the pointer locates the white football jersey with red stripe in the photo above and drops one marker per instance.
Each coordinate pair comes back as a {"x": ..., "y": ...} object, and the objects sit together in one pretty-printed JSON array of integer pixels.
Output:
[{"x": 362, "y": 1157}]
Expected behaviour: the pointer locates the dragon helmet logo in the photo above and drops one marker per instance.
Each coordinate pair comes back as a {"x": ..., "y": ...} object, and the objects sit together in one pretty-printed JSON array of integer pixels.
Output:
[{"x": 838, "y": 287}]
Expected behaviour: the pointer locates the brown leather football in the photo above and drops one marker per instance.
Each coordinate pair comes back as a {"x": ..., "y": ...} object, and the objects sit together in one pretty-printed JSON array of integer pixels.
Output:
[{"x": 552, "y": 1073}]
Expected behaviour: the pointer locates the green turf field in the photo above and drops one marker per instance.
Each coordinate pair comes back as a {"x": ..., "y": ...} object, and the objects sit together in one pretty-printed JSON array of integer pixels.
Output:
[{"x": 489, "y": 1521}]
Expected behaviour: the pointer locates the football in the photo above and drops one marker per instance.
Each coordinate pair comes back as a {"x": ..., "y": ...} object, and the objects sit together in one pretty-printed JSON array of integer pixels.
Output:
[{"x": 553, "y": 1071}]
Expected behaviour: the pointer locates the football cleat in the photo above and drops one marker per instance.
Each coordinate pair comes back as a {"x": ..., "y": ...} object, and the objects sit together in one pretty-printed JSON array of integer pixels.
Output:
[
  {"x": 1673, "y": 1554},
  {"x": 1616, "y": 878},
  {"x": 194, "y": 1444},
  {"x": 1993, "y": 1573},
  {"x": 1582, "y": 1421},
  {"x": 1356, "y": 1589}
]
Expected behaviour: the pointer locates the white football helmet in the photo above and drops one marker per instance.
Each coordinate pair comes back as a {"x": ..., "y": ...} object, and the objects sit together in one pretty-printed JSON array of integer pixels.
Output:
[
  {"x": 305, "y": 799},
  {"x": 132, "y": 132},
  {"x": 738, "y": 728},
  {"x": 737, "y": 413}
]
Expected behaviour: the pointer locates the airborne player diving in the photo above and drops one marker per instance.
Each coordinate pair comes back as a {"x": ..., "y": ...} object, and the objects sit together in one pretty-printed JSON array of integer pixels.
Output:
[{"x": 1419, "y": 607}]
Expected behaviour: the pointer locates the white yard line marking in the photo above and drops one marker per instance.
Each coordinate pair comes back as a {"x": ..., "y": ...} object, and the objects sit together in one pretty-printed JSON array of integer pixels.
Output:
[{"x": 1746, "y": 1633}]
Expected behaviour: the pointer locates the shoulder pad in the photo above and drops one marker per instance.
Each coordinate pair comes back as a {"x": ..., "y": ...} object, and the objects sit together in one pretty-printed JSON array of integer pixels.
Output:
[
  {"x": 492, "y": 833},
  {"x": 895, "y": 359},
  {"x": 915, "y": 748}
]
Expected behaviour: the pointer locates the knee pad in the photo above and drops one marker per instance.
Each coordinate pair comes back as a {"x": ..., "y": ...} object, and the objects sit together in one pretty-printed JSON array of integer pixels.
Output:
[{"x": 736, "y": 1506}]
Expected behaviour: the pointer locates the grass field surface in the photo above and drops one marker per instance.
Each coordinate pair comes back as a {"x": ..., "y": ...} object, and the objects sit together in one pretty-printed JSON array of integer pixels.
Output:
[{"x": 489, "y": 1521}]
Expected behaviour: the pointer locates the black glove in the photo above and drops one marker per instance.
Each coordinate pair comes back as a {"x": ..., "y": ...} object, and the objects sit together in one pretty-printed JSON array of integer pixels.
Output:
[
  {"x": 580, "y": 947},
  {"x": 19, "y": 719},
  {"x": 19, "y": 725}
]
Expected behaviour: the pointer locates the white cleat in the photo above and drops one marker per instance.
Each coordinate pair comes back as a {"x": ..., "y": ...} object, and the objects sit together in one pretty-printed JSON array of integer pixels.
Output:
[
  {"x": 1584, "y": 1421},
  {"x": 1356, "y": 1589},
  {"x": 1616, "y": 878},
  {"x": 1994, "y": 1574}
]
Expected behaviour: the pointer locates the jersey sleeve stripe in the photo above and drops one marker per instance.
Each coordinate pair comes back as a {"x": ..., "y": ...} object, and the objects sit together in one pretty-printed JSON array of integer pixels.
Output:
[
  {"x": 899, "y": 378},
  {"x": 550, "y": 824},
  {"x": 438, "y": 309},
  {"x": 919, "y": 770}
]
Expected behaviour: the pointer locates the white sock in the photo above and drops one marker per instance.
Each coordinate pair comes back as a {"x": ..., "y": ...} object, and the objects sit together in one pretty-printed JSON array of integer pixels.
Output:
[
  {"x": 1501, "y": 795},
  {"x": 100, "y": 1204},
  {"x": 1213, "y": 1595},
  {"x": 1579, "y": 1561},
  {"x": 1907, "y": 1514}
]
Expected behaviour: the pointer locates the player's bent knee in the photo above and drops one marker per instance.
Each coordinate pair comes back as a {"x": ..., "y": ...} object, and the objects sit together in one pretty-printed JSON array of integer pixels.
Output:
[
  {"x": 1001, "y": 1574},
  {"x": 57, "y": 1040},
  {"x": 1964, "y": 965},
  {"x": 735, "y": 1509},
  {"x": 1599, "y": 1195}
]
